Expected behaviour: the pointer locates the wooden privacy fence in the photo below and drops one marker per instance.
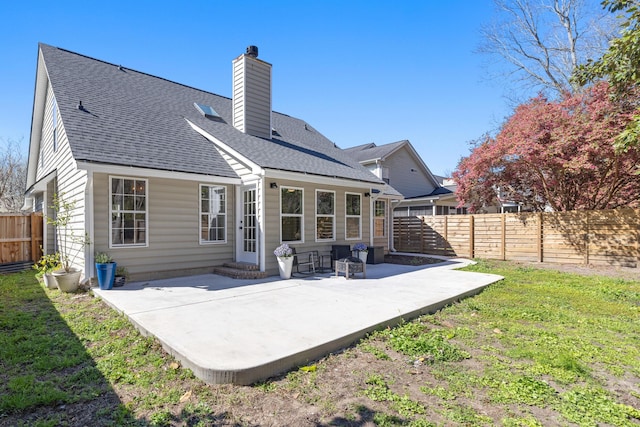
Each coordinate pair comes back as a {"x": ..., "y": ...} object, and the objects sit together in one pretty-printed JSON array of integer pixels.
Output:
[
  {"x": 610, "y": 237},
  {"x": 20, "y": 237}
]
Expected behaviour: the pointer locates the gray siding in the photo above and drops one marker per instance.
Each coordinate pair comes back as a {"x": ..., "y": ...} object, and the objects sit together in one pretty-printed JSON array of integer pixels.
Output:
[
  {"x": 410, "y": 184},
  {"x": 173, "y": 235},
  {"x": 272, "y": 222},
  {"x": 252, "y": 96}
]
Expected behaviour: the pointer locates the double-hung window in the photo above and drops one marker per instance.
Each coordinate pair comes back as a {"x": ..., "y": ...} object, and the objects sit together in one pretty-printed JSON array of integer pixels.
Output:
[
  {"x": 325, "y": 215},
  {"x": 291, "y": 214},
  {"x": 379, "y": 218},
  {"x": 213, "y": 214},
  {"x": 353, "y": 219},
  {"x": 129, "y": 212}
]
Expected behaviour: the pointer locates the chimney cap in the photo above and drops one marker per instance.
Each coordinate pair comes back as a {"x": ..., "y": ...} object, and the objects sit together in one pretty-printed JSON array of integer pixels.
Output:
[{"x": 252, "y": 51}]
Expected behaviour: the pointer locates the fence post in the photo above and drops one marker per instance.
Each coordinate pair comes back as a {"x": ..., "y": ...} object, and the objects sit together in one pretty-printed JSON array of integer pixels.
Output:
[
  {"x": 34, "y": 243},
  {"x": 446, "y": 228},
  {"x": 586, "y": 238},
  {"x": 503, "y": 249},
  {"x": 540, "y": 237},
  {"x": 422, "y": 219},
  {"x": 471, "y": 236}
]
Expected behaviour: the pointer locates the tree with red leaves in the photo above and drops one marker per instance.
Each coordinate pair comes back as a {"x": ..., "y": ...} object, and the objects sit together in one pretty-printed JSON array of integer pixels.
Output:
[{"x": 556, "y": 155}]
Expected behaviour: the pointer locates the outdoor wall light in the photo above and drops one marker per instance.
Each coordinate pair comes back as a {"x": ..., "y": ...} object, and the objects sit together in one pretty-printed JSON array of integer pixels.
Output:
[
  {"x": 367, "y": 194},
  {"x": 273, "y": 185}
]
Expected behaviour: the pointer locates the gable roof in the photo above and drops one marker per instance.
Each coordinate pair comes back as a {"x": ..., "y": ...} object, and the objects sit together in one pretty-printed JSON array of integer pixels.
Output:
[
  {"x": 371, "y": 151},
  {"x": 136, "y": 119},
  {"x": 439, "y": 192}
]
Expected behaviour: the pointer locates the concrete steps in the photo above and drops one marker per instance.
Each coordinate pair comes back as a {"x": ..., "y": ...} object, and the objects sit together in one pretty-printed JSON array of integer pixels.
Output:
[{"x": 240, "y": 270}]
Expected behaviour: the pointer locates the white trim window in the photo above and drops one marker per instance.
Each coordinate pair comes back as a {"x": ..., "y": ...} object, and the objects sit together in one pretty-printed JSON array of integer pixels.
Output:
[
  {"x": 325, "y": 216},
  {"x": 379, "y": 218},
  {"x": 128, "y": 209},
  {"x": 353, "y": 215},
  {"x": 213, "y": 214},
  {"x": 291, "y": 214}
]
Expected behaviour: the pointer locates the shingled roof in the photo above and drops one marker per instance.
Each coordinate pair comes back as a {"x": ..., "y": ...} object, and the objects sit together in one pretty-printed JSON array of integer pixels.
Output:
[
  {"x": 136, "y": 119},
  {"x": 372, "y": 151}
]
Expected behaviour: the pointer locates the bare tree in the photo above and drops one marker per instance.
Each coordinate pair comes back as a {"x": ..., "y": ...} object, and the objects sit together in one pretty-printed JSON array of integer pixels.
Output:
[
  {"x": 13, "y": 176},
  {"x": 541, "y": 42}
]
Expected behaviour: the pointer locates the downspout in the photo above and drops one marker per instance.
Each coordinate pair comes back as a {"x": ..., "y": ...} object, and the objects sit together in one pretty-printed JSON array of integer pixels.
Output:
[
  {"x": 371, "y": 214},
  {"x": 88, "y": 225}
]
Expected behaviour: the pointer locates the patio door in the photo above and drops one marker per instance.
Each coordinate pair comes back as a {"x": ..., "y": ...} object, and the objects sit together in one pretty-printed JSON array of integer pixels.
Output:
[{"x": 247, "y": 233}]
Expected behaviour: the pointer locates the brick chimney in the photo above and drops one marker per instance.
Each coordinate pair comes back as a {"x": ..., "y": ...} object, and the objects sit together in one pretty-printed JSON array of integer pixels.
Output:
[{"x": 252, "y": 94}]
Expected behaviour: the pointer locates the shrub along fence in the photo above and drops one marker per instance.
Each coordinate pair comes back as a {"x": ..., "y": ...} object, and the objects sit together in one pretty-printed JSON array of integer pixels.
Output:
[
  {"x": 610, "y": 237},
  {"x": 20, "y": 238}
]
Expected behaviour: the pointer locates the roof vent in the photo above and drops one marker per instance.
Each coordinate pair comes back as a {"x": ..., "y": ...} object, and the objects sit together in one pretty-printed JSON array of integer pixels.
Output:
[{"x": 252, "y": 51}]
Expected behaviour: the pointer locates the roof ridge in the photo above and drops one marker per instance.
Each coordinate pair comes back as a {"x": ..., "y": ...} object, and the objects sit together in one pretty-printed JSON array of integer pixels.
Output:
[{"x": 135, "y": 71}]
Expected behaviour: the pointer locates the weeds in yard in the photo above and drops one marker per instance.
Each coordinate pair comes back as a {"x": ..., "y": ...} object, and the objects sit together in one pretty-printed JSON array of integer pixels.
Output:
[
  {"x": 538, "y": 348},
  {"x": 415, "y": 339},
  {"x": 378, "y": 390},
  {"x": 378, "y": 353}
]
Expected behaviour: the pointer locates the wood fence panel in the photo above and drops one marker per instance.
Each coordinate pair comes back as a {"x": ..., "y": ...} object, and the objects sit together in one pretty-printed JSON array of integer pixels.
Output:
[
  {"x": 20, "y": 237},
  {"x": 580, "y": 237},
  {"x": 488, "y": 236},
  {"x": 436, "y": 233},
  {"x": 522, "y": 236},
  {"x": 564, "y": 237},
  {"x": 613, "y": 237},
  {"x": 458, "y": 227}
]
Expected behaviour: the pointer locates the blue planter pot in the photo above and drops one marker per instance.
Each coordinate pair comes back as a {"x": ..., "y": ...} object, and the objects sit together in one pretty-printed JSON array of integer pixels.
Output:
[{"x": 106, "y": 273}]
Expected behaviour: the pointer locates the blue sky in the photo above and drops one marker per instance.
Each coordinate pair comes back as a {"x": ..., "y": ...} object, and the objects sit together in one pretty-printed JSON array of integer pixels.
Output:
[{"x": 358, "y": 71}]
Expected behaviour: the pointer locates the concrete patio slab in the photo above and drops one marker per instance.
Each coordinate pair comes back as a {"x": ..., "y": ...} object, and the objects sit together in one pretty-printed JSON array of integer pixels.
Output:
[{"x": 243, "y": 331}]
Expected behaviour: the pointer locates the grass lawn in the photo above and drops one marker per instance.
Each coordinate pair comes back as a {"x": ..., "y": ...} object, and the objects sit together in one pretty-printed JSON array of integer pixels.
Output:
[{"x": 536, "y": 349}]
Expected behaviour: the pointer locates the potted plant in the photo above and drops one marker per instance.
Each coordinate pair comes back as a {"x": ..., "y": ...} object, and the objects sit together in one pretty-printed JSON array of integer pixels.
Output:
[
  {"x": 45, "y": 266},
  {"x": 284, "y": 254},
  {"x": 69, "y": 244},
  {"x": 105, "y": 270},
  {"x": 122, "y": 274},
  {"x": 362, "y": 251}
]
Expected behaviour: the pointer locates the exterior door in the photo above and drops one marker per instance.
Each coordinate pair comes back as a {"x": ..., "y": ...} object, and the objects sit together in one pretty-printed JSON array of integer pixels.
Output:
[{"x": 247, "y": 235}]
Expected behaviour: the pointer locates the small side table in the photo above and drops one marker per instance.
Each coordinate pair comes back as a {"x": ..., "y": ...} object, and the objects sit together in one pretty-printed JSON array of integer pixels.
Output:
[{"x": 350, "y": 268}]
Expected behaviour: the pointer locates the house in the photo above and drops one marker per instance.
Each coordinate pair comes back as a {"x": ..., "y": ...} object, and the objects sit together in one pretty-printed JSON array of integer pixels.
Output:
[
  {"x": 399, "y": 165},
  {"x": 172, "y": 180}
]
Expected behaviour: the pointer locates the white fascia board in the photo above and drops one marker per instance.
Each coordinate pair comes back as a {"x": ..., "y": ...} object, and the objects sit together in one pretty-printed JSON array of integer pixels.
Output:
[
  {"x": 41, "y": 185},
  {"x": 255, "y": 169},
  {"x": 366, "y": 162},
  {"x": 155, "y": 173},
  {"x": 39, "y": 98},
  {"x": 319, "y": 179},
  {"x": 430, "y": 199}
]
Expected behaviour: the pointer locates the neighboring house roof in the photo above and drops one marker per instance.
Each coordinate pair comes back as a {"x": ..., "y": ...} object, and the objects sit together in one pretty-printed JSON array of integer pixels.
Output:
[
  {"x": 439, "y": 192},
  {"x": 372, "y": 152},
  {"x": 135, "y": 119}
]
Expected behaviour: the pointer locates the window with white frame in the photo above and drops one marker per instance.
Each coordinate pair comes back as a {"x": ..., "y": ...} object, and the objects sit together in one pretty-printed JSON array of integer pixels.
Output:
[
  {"x": 353, "y": 217},
  {"x": 291, "y": 214},
  {"x": 379, "y": 218},
  {"x": 213, "y": 214},
  {"x": 129, "y": 212},
  {"x": 325, "y": 215}
]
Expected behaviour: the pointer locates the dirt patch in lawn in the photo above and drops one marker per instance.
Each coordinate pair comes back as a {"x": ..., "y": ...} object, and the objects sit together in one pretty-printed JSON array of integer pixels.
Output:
[{"x": 411, "y": 259}]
